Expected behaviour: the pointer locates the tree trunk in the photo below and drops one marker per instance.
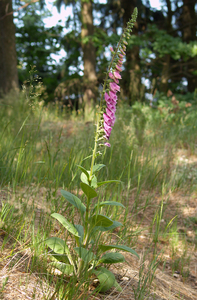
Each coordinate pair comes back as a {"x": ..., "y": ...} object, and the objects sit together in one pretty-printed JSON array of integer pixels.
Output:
[
  {"x": 89, "y": 54},
  {"x": 133, "y": 86},
  {"x": 189, "y": 34},
  {"x": 165, "y": 76},
  {"x": 8, "y": 58}
]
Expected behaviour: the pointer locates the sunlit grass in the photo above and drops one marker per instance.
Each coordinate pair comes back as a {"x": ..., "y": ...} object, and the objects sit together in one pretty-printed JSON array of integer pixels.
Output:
[{"x": 39, "y": 151}]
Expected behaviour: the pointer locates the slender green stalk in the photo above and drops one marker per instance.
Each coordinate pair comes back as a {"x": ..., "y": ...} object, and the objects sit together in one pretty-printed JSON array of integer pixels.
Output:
[{"x": 95, "y": 146}]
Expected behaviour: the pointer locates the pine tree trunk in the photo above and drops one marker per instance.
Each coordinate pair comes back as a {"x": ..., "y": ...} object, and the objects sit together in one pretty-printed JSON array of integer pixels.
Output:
[
  {"x": 8, "y": 58},
  {"x": 133, "y": 86},
  {"x": 89, "y": 54},
  {"x": 189, "y": 34},
  {"x": 165, "y": 76}
]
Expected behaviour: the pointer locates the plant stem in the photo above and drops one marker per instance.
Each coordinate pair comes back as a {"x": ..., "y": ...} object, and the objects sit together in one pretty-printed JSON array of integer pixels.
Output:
[{"x": 95, "y": 147}]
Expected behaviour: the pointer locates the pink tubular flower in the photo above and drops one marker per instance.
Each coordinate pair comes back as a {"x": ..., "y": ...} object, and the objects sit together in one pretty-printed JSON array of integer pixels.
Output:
[
  {"x": 107, "y": 129},
  {"x": 114, "y": 87},
  {"x": 107, "y": 144},
  {"x": 110, "y": 110},
  {"x": 111, "y": 83},
  {"x": 113, "y": 96},
  {"x": 117, "y": 75},
  {"x": 107, "y": 98},
  {"x": 113, "y": 121},
  {"x": 111, "y": 75},
  {"x": 107, "y": 119},
  {"x": 116, "y": 80}
]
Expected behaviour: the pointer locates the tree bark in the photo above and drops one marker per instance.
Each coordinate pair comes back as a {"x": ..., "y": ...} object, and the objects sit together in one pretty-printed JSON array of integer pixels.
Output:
[
  {"x": 132, "y": 82},
  {"x": 89, "y": 53},
  {"x": 189, "y": 34},
  {"x": 165, "y": 76},
  {"x": 8, "y": 58}
]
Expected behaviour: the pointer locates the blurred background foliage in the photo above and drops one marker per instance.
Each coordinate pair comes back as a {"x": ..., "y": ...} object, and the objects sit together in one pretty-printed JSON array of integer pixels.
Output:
[{"x": 161, "y": 55}]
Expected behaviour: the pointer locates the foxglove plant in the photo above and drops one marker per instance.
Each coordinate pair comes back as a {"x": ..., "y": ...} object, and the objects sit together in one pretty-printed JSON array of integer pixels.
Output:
[{"x": 86, "y": 257}]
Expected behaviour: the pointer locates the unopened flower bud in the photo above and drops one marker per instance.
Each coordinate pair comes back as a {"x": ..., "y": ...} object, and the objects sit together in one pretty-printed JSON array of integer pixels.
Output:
[
  {"x": 122, "y": 51},
  {"x": 125, "y": 42}
]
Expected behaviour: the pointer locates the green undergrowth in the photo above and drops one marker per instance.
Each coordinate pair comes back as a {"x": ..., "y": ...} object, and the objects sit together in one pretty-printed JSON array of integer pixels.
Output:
[{"x": 153, "y": 150}]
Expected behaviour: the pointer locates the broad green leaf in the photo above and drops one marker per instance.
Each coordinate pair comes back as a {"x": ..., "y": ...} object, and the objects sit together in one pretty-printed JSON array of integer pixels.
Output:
[
  {"x": 112, "y": 258},
  {"x": 84, "y": 171},
  {"x": 84, "y": 178},
  {"x": 109, "y": 203},
  {"x": 57, "y": 245},
  {"x": 94, "y": 182},
  {"x": 80, "y": 232},
  {"x": 104, "y": 248},
  {"x": 88, "y": 190},
  {"x": 106, "y": 279},
  {"x": 71, "y": 228},
  {"x": 66, "y": 269},
  {"x": 108, "y": 181},
  {"x": 101, "y": 220},
  {"x": 74, "y": 200},
  {"x": 117, "y": 286},
  {"x": 60, "y": 257},
  {"x": 85, "y": 254},
  {"x": 114, "y": 225},
  {"x": 97, "y": 167}
]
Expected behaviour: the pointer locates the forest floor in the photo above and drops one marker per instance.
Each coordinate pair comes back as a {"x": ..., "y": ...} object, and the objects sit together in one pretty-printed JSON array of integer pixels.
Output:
[{"x": 175, "y": 276}]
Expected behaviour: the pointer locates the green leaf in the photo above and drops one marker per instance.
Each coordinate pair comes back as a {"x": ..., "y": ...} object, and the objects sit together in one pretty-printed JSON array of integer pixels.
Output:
[
  {"x": 88, "y": 190},
  {"x": 97, "y": 167},
  {"x": 74, "y": 200},
  {"x": 66, "y": 269},
  {"x": 101, "y": 220},
  {"x": 80, "y": 232},
  {"x": 112, "y": 258},
  {"x": 85, "y": 254},
  {"x": 104, "y": 248},
  {"x": 94, "y": 182},
  {"x": 117, "y": 286},
  {"x": 108, "y": 181},
  {"x": 84, "y": 171},
  {"x": 60, "y": 257},
  {"x": 106, "y": 279},
  {"x": 114, "y": 225},
  {"x": 71, "y": 228},
  {"x": 84, "y": 178},
  {"x": 57, "y": 245},
  {"x": 109, "y": 203}
]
